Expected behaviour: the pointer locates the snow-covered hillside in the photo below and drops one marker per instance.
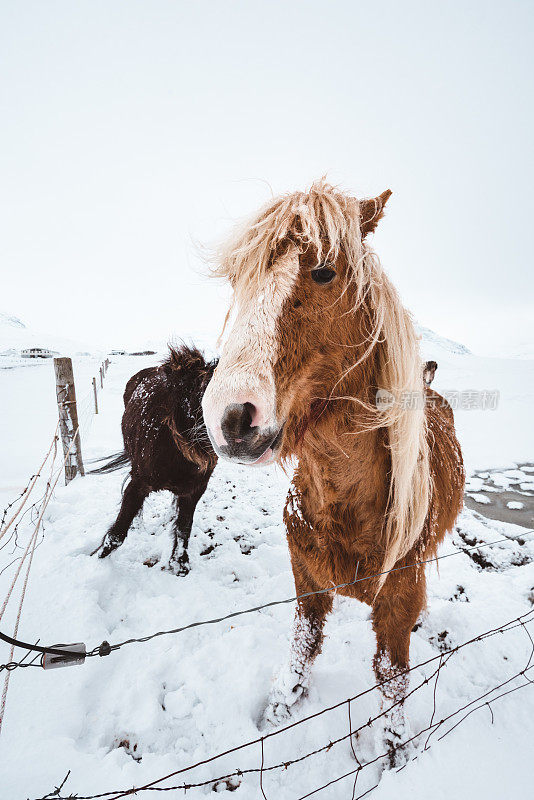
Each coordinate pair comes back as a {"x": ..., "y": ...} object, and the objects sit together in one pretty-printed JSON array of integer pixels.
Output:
[
  {"x": 433, "y": 343},
  {"x": 10, "y": 321},
  {"x": 153, "y": 708},
  {"x": 15, "y": 336}
]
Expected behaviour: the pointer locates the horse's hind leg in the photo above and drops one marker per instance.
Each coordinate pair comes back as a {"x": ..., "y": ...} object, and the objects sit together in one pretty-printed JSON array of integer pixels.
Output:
[
  {"x": 132, "y": 502},
  {"x": 292, "y": 681},
  {"x": 395, "y": 612},
  {"x": 185, "y": 506}
]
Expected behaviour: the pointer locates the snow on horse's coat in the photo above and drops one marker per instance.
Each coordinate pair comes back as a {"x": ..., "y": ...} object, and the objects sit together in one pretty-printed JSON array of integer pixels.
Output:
[{"x": 377, "y": 486}]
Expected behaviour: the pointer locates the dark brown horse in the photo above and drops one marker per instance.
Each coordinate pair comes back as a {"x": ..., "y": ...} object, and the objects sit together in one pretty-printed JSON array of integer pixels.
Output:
[
  {"x": 166, "y": 445},
  {"x": 320, "y": 335},
  {"x": 429, "y": 372}
]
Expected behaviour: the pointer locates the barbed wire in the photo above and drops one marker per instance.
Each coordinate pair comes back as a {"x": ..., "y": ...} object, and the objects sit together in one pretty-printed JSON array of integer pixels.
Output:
[
  {"x": 522, "y": 621},
  {"x": 11, "y": 665},
  {"x": 29, "y": 552},
  {"x": 37, "y": 508},
  {"x": 431, "y": 728},
  {"x": 274, "y": 603},
  {"x": 26, "y": 492},
  {"x": 33, "y": 511},
  {"x": 18, "y": 497},
  {"x": 105, "y": 648}
]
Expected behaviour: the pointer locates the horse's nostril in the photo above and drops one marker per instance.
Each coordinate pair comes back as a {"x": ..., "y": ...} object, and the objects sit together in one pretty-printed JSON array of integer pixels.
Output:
[
  {"x": 237, "y": 422},
  {"x": 251, "y": 410}
]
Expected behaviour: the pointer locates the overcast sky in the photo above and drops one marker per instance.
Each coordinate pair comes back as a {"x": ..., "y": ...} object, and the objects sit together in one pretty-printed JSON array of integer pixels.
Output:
[{"x": 130, "y": 129}]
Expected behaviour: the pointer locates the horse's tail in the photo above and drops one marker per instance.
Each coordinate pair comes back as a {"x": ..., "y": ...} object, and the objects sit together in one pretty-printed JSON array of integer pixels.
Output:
[{"x": 113, "y": 463}]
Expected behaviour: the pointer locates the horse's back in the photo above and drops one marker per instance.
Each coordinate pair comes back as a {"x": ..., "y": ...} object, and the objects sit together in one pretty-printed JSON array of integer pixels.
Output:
[
  {"x": 446, "y": 466},
  {"x": 159, "y": 424},
  {"x": 135, "y": 380}
]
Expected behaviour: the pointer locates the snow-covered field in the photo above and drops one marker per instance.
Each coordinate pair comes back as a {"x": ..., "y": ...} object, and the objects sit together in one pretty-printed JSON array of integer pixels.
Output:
[{"x": 150, "y": 709}]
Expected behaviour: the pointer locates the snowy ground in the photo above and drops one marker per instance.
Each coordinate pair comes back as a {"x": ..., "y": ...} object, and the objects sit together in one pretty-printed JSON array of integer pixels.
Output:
[
  {"x": 153, "y": 708},
  {"x": 29, "y": 415}
]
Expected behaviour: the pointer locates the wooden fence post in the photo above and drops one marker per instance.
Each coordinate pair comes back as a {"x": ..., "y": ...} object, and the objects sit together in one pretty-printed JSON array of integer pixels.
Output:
[
  {"x": 96, "y": 398},
  {"x": 68, "y": 418},
  {"x": 101, "y": 379}
]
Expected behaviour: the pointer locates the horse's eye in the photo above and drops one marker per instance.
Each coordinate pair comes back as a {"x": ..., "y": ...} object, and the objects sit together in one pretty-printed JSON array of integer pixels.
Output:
[{"x": 323, "y": 275}]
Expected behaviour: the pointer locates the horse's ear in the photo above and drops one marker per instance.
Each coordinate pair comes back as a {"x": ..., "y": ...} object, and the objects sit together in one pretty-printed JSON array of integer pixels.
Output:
[{"x": 371, "y": 211}]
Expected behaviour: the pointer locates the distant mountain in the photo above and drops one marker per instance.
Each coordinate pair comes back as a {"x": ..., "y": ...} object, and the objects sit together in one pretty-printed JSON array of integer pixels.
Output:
[
  {"x": 9, "y": 321},
  {"x": 432, "y": 340},
  {"x": 15, "y": 336}
]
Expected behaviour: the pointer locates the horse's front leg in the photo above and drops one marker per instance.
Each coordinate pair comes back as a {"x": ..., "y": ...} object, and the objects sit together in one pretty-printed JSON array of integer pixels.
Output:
[
  {"x": 185, "y": 510},
  {"x": 395, "y": 612},
  {"x": 132, "y": 502},
  {"x": 291, "y": 683}
]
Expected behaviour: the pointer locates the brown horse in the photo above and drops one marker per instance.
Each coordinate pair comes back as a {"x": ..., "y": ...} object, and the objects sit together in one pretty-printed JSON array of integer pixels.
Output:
[
  {"x": 429, "y": 372},
  {"x": 319, "y": 330},
  {"x": 166, "y": 446}
]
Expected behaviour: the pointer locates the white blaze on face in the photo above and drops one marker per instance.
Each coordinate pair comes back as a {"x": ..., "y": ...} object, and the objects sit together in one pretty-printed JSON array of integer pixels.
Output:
[{"x": 245, "y": 371}]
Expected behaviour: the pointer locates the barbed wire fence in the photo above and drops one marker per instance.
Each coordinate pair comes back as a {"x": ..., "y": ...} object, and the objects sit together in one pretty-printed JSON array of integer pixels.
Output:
[
  {"x": 18, "y": 511},
  {"x": 105, "y": 648},
  {"x": 24, "y": 512},
  {"x": 12, "y": 519},
  {"x": 483, "y": 700},
  {"x": 431, "y": 729}
]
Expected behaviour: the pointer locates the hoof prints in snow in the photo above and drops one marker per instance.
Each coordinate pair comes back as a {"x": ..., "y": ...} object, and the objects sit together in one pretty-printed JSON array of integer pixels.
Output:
[
  {"x": 152, "y": 708},
  {"x": 500, "y": 557},
  {"x": 210, "y": 531},
  {"x": 442, "y": 641},
  {"x": 227, "y": 785},
  {"x": 460, "y": 595},
  {"x": 130, "y": 749}
]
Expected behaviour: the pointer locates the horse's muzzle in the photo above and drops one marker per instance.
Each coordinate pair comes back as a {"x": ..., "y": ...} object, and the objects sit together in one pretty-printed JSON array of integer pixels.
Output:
[{"x": 244, "y": 442}]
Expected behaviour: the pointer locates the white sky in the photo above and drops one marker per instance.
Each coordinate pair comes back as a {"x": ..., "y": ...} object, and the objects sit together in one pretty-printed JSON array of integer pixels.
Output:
[{"x": 127, "y": 129}]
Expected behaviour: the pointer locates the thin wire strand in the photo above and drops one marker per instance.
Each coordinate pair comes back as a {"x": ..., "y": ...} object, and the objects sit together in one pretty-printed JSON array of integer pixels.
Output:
[
  {"x": 23, "y": 593},
  {"x": 116, "y": 795},
  {"x": 274, "y": 603},
  {"x": 151, "y": 786},
  {"x": 29, "y": 487},
  {"x": 97, "y": 651}
]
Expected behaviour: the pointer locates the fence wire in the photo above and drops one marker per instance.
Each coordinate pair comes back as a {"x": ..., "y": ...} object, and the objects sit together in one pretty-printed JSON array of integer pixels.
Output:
[
  {"x": 35, "y": 512},
  {"x": 29, "y": 553},
  {"x": 105, "y": 648},
  {"x": 483, "y": 700},
  {"x": 38, "y": 508}
]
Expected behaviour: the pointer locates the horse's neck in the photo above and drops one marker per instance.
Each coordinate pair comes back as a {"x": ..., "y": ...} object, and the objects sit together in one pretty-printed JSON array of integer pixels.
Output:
[{"x": 347, "y": 463}]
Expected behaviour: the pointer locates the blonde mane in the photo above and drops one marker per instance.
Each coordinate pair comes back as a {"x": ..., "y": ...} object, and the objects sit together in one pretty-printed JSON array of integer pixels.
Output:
[{"x": 330, "y": 221}]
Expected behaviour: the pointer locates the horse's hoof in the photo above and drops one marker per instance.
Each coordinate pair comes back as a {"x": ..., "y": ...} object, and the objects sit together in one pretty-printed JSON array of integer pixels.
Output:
[
  {"x": 396, "y": 744},
  {"x": 179, "y": 567},
  {"x": 107, "y": 546},
  {"x": 276, "y": 713},
  {"x": 280, "y": 706},
  {"x": 107, "y": 549}
]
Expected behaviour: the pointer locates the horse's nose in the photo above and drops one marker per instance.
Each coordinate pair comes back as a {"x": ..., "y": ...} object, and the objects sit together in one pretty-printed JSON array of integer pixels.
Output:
[{"x": 238, "y": 421}]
